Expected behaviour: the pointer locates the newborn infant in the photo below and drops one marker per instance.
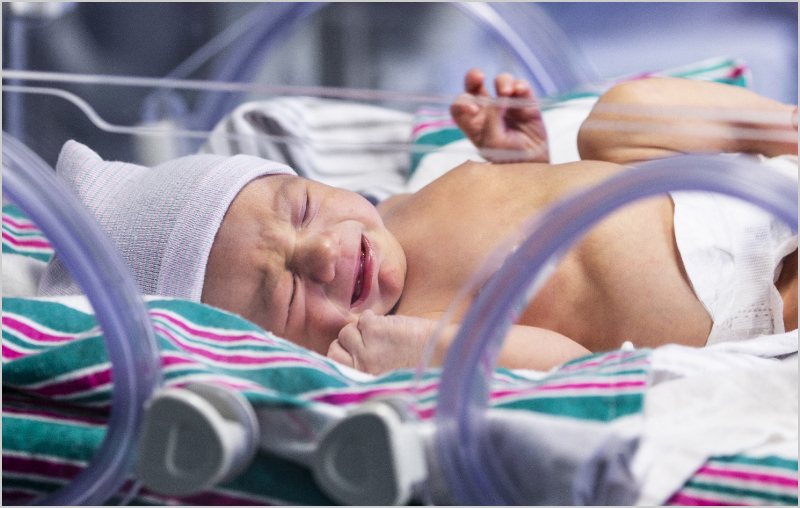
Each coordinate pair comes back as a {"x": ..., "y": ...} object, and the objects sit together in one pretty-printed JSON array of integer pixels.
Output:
[{"x": 365, "y": 285}]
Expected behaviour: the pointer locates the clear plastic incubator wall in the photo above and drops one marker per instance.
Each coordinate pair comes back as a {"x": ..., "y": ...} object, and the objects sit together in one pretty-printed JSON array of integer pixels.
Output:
[{"x": 206, "y": 408}]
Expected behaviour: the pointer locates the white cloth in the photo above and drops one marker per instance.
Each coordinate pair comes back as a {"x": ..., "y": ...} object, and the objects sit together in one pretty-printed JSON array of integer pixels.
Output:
[
  {"x": 723, "y": 404},
  {"x": 733, "y": 253},
  {"x": 21, "y": 275}
]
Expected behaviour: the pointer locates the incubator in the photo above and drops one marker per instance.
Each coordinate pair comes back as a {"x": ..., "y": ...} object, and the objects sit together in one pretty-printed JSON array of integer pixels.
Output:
[
  {"x": 379, "y": 453},
  {"x": 441, "y": 439}
]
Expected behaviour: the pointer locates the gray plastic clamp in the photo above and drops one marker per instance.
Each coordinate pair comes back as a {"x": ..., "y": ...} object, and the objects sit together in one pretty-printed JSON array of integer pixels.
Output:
[
  {"x": 194, "y": 438},
  {"x": 371, "y": 457}
]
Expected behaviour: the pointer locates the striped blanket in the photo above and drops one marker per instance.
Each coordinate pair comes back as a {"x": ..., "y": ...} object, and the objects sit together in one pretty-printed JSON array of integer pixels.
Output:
[{"x": 57, "y": 383}]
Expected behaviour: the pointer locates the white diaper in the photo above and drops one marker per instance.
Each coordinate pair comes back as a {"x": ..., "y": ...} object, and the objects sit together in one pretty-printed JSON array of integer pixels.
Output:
[{"x": 733, "y": 253}]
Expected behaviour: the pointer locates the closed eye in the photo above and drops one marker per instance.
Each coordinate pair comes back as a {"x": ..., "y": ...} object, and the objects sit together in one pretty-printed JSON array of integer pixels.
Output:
[
  {"x": 291, "y": 299},
  {"x": 307, "y": 209}
]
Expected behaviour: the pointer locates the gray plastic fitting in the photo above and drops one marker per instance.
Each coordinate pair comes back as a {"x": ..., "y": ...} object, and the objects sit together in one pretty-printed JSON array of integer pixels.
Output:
[{"x": 194, "y": 438}]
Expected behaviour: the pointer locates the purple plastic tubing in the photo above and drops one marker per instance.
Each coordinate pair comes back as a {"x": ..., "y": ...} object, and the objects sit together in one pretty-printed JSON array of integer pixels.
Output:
[
  {"x": 473, "y": 473},
  {"x": 99, "y": 270}
]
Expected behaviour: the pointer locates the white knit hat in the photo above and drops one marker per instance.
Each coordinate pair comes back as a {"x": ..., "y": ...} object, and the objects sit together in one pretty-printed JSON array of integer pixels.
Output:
[{"x": 162, "y": 219}]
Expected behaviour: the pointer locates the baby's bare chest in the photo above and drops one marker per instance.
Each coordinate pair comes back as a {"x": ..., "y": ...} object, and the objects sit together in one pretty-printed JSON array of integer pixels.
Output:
[
  {"x": 619, "y": 273},
  {"x": 447, "y": 245}
]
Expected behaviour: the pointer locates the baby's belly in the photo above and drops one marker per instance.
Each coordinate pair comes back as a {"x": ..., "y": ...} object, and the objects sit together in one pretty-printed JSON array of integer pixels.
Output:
[{"x": 623, "y": 282}]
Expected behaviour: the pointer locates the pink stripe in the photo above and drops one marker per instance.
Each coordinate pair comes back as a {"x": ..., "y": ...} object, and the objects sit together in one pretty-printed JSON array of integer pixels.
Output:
[
  {"x": 12, "y": 354},
  {"x": 429, "y": 125},
  {"x": 26, "y": 225},
  {"x": 424, "y": 389},
  {"x": 208, "y": 335},
  {"x": 686, "y": 500},
  {"x": 73, "y": 386},
  {"x": 426, "y": 413},
  {"x": 18, "y": 497},
  {"x": 29, "y": 465},
  {"x": 62, "y": 418},
  {"x": 352, "y": 398},
  {"x": 568, "y": 386},
  {"x": 749, "y": 476},
  {"x": 235, "y": 358},
  {"x": 40, "y": 244},
  {"x": 32, "y": 333},
  {"x": 348, "y": 398},
  {"x": 207, "y": 499},
  {"x": 55, "y": 405},
  {"x": 169, "y": 361}
]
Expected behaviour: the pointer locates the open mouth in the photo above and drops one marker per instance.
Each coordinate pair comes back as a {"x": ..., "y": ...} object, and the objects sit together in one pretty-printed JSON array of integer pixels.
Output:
[{"x": 363, "y": 281}]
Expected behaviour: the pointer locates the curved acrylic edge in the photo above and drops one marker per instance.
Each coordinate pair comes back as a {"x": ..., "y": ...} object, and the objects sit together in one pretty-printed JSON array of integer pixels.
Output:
[{"x": 121, "y": 313}]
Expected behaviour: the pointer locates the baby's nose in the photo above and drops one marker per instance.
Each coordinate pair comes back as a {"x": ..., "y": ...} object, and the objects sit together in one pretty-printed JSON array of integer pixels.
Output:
[{"x": 318, "y": 258}]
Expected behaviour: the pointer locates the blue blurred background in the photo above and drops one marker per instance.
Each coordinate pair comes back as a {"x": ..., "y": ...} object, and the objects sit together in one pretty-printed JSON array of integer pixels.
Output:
[{"x": 410, "y": 47}]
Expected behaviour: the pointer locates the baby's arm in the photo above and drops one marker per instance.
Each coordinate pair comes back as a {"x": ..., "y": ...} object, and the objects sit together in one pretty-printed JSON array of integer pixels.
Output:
[
  {"x": 493, "y": 127},
  {"x": 660, "y": 135},
  {"x": 377, "y": 344}
]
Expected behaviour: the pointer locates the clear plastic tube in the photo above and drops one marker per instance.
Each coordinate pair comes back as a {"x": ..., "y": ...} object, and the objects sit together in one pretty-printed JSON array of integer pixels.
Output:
[
  {"x": 473, "y": 472},
  {"x": 101, "y": 273}
]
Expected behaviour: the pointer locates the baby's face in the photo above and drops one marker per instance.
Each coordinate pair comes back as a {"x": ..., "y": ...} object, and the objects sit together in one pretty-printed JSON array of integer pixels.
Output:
[{"x": 301, "y": 259}]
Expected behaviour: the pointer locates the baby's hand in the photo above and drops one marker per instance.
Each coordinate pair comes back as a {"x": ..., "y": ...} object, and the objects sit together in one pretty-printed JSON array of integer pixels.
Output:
[
  {"x": 498, "y": 128},
  {"x": 377, "y": 344}
]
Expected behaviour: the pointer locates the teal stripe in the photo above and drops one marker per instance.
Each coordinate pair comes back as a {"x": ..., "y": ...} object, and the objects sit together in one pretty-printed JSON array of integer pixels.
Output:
[
  {"x": 251, "y": 345},
  {"x": 768, "y": 497},
  {"x": 739, "y": 81},
  {"x": 588, "y": 408},
  {"x": 67, "y": 441},
  {"x": 58, "y": 361},
  {"x": 12, "y": 339},
  {"x": 204, "y": 315},
  {"x": 277, "y": 478},
  {"x": 27, "y": 234},
  {"x": 98, "y": 398},
  {"x": 726, "y": 64},
  {"x": 276, "y": 400},
  {"x": 436, "y": 138},
  {"x": 770, "y": 461},
  {"x": 53, "y": 315},
  {"x": 440, "y": 137},
  {"x": 38, "y": 488},
  {"x": 40, "y": 255},
  {"x": 569, "y": 96},
  {"x": 294, "y": 380},
  {"x": 13, "y": 211}
]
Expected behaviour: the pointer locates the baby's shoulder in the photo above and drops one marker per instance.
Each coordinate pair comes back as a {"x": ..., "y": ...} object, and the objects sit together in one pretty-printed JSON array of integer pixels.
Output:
[{"x": 387, "y": 205}]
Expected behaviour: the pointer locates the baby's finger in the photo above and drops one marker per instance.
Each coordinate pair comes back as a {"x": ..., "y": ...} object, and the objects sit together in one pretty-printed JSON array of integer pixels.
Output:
[
  {"x": 350, "y": 338},
  {"x": 465, "y": 100},
  {"x": 464, "y": 115},
  {"x": 340, "y": 355},
  {"x": 473, "y": 82},
  {"x": 504, "y": 84},
  {"x": 522, "y": 89}
]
